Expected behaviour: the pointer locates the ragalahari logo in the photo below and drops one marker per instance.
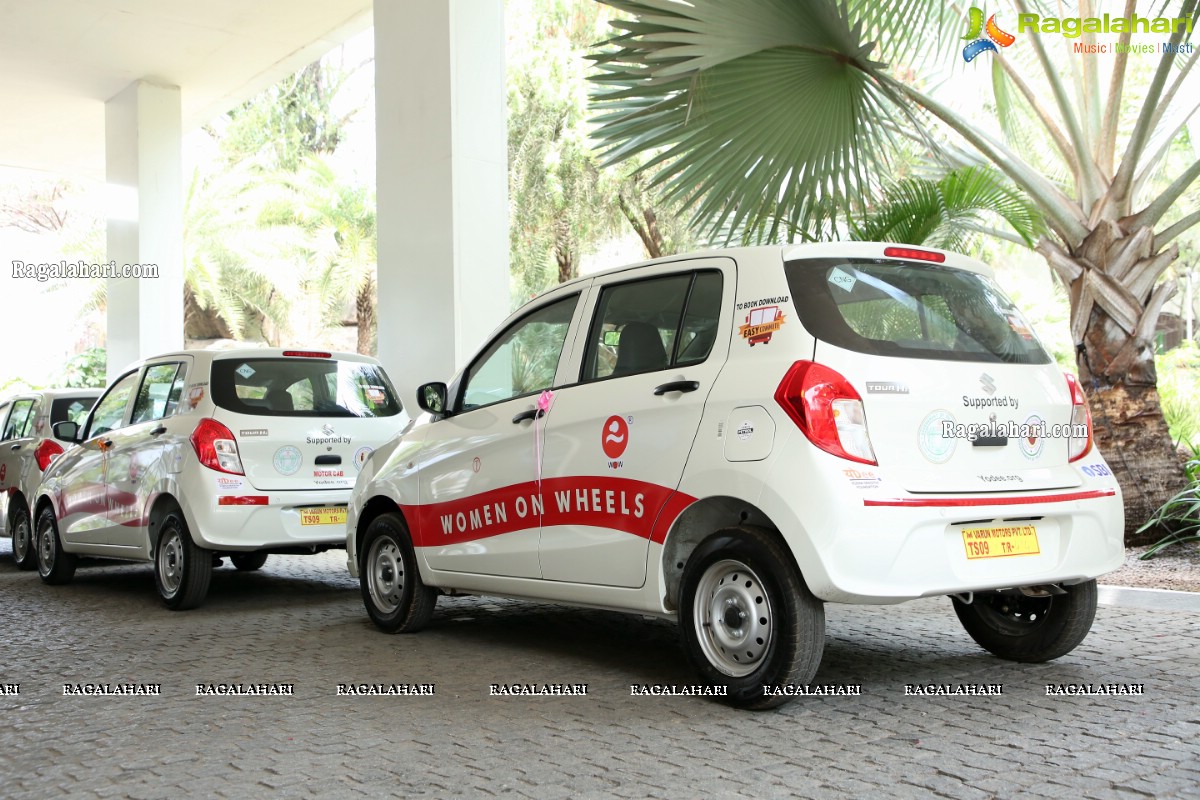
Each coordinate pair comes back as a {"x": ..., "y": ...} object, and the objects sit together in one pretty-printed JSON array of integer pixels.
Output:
[{"x": 984, "y": 37}]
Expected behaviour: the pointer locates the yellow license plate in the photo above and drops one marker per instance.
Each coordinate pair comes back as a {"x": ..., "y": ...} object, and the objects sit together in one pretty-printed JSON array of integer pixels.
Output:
[
  {"x": 322, "y": 516},
  {"x": 1010, "y": 540}
]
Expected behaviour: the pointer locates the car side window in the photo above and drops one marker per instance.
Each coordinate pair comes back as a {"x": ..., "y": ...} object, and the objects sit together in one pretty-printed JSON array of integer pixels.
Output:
[
  {"x": 109, "y": 412},
  {"x": 154, "y": 396},
  {"x": 653, "y": 324},
  {"x": 522, "y": 360},
  {"x": 19, "y": 420},
  {"x": 3, "y": 419}
]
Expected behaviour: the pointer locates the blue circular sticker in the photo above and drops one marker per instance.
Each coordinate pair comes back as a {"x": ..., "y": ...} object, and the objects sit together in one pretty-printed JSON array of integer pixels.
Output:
[
  {"x": 932, "y": 442},
  {"x": 287, "y": 460}
]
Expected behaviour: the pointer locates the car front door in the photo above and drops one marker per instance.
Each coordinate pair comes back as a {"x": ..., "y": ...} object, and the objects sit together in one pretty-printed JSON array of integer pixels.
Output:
[
  {"x": 480, "y": 499},
  {"x": 80, "y": 472},
  {"x": 137, "y": 456},
  {"x": 15, "y": 417},
  {"x": 618, "y": 439}
]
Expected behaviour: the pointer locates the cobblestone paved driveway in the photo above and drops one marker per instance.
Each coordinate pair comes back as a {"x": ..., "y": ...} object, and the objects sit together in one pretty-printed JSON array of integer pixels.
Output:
[{"x": 301, "y": 621}]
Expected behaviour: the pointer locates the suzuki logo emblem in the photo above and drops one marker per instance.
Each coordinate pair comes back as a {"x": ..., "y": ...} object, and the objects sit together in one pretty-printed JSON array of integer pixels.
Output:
[
  {"x": 988, "y": 383},
  {"x": 328, "y": 429}
]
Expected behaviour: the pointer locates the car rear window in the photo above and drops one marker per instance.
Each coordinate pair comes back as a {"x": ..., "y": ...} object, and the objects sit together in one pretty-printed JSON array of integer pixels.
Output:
[
  {"x": 896, "y": 308},
  {"x": 303, "y": 387},
  {"x": 70, "y": 409}
]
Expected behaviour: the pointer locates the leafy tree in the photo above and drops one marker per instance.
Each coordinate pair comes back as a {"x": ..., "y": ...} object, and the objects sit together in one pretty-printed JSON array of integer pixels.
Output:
[{"x": 770, "y": 117}]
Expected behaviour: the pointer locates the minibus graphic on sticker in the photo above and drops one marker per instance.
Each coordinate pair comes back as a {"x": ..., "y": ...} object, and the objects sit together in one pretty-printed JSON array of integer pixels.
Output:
[{"x": 761, "y": 323}]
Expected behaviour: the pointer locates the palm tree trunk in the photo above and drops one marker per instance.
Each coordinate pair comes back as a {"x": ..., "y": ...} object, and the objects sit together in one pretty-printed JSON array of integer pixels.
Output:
[
  {"x": 364, "y": 306},
  {"x": 1115, "y": 304}
]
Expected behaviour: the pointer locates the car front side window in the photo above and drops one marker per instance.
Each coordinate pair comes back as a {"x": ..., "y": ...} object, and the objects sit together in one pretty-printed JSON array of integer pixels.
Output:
[
  {"x": 18, "y": 421},
  {"x": 109, "y": 413},
  {"x": 522, "y": 360}
]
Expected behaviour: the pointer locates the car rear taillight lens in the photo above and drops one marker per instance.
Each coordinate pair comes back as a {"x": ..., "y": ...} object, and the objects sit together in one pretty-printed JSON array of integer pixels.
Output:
[
  {"x": 827, "y": 409},
  {"x": 1081, "y": 420},
  {"x": 46, "y": 452},
  {"x": 216, "y": 448}
]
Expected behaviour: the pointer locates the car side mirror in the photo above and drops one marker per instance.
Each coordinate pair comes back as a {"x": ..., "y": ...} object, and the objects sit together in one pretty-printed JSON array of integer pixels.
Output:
[
  {"x": 431, "y": 397},
  {"x": 66, "y": 431}
]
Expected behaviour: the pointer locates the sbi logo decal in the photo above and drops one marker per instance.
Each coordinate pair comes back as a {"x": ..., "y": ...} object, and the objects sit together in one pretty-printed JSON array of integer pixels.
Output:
[{"x": 1096, "y": 470}]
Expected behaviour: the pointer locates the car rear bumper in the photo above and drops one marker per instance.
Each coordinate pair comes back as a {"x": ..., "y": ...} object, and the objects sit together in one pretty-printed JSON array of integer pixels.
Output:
[
  {"x": 894, "y": 549},
  {"x": 236, "y": 523}
]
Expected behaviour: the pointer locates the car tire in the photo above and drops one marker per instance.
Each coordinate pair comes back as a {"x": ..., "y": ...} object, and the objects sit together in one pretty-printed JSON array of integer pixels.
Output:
[
  {"x": 397, "y": 600},
  {"x": 55, "y": 565},
  {"x": 182, "y": 569},
  {"x": 21, "y": 527},
  {"x": 248, "y": 562},
  {"x": 1029, "y": 629},
  {"x": 731, "y": 573}
]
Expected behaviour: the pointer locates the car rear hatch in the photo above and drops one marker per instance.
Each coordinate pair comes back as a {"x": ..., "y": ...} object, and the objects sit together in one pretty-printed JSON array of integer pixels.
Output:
[
  {"x": 304, "y": 420},
  {"x": 958, "y": 394}
]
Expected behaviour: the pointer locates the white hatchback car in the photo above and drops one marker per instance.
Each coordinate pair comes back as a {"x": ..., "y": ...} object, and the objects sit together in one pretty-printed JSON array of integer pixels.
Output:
[
  {"x": 733, "y": 438},
  {"x": 193, "y": 455},
  {"x": 27, "y": 446}
]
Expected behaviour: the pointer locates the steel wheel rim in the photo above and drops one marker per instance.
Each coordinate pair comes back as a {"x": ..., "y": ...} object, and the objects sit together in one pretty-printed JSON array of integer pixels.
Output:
[
  {"x": 1014, "y": 615},
  {"x": 45, "y": 547},
  {"x": 21, "y": 539},
  {"x": 170, "y": 562},
  {"x": 732, "y": 614},
  {"x": 385, "y": 574}
]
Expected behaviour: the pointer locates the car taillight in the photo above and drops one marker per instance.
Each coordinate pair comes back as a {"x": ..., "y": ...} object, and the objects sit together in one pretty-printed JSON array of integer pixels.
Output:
[
  {"x": 216, "y": 448},
  {"x": 827, "y": 409},
  {"x": 913, "y": 254},
  {"x": 1078, "y": 446},
  {"x": 46, "y": 452}
]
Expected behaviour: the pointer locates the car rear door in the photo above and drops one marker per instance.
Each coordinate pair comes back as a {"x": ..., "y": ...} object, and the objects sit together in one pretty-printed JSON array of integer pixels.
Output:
[
  {"x": 617, "y": 439},
  {"x": 11, "y": 415}
]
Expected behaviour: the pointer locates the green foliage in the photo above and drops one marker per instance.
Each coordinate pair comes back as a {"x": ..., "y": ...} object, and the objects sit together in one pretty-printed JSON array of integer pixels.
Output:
[
  {"x": 1179, "y": 516},
  {"x": 87, "y": 370},
  {"x": 1179, "y": 390},
  {"x": 951, "y": 213}
]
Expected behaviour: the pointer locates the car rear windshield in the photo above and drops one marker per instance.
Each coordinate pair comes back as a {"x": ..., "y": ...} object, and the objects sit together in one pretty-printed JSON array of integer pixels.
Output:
[
  {"x": 895, "y": 308},
  {"x": 302, "y": 387},
  {"x": 70, "y": 409}
]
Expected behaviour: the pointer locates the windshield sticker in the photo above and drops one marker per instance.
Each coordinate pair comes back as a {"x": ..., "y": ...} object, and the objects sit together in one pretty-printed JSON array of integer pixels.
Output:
[
  {"x": 761, "y": 323},
  {"x": 841, "y": 279},
  {"x": 1019, "y": 327},
  {"x": 931, "y": 441},
  {"x": 75, "y": 408},
  {"x": 287, "y": 460},
  {"x": 245, "y": 370},
  {"x": 363, "y": 453},
  {"x": 376, "y": 396}
]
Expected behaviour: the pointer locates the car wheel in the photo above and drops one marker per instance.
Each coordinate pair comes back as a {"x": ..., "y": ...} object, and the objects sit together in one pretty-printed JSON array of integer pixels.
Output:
[
  {"x": 55, "y": 565},
  {"x": 747, "y": 618},
  {"x": 182, "y": 570},
  {"x": 396, "y": 599},
  {"x": 1030, "y": 629},
  {"x": 23, "y": 549},
  {"x": 248, "y": 562}
]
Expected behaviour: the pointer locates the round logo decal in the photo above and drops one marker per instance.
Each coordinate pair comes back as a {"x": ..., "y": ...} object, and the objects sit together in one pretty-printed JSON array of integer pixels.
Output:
[
  {"x": 360, "y": 457},
  {"x": 287, "y": 460},
  {"x": 935, "y": 446},
  {"x": 615, "y": 436},
  {"x": 1034, "y": 442}
]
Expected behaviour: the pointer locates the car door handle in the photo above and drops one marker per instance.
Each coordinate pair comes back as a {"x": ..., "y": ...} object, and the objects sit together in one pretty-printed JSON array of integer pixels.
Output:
[
  {"x": 159, "y": 431},
  {"x": 15, "y": 447},
  {"x": 676, "y": 386},
  {"x": 533, "y": 413}
]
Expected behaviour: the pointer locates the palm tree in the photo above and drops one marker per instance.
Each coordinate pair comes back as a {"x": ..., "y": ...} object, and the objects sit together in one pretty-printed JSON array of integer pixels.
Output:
[{"x": 772, "y": 117}]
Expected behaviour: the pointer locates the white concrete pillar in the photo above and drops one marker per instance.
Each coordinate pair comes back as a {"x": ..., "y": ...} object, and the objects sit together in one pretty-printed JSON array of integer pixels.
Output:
[
  {"x": 442, "y": 183},
  {"x": 143, "y": 137}
]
